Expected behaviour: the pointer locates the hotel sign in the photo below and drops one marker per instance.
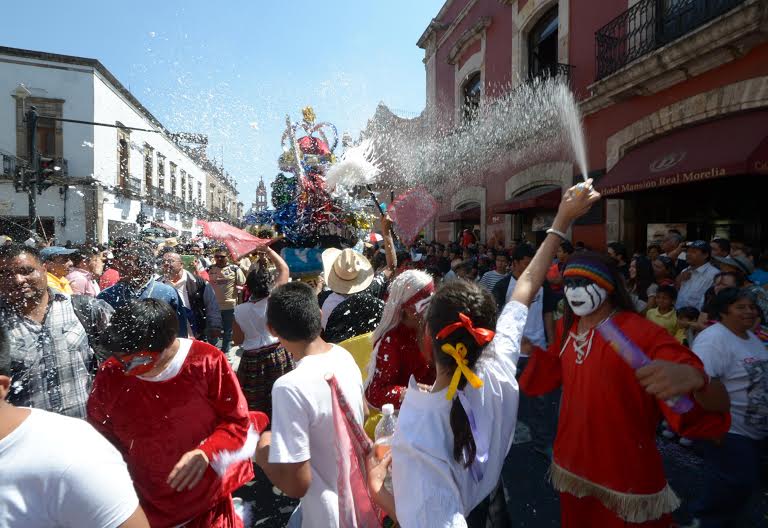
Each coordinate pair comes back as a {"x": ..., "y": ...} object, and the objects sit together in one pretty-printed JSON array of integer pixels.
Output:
[
  {"x": 665, "y": 181},
  {"x": 663, "y": 165}
]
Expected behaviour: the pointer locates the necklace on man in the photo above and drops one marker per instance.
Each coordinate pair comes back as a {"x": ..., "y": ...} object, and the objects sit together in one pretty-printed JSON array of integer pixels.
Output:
[{"x": 582, "y": 341}]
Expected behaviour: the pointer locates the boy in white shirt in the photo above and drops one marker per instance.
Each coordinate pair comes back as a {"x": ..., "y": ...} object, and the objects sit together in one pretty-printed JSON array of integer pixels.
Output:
[
  {"x": 77, "y": 480},
  {"x": 299, "y": 455}
]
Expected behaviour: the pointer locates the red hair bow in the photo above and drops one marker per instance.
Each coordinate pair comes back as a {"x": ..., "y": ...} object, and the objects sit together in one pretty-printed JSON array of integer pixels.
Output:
[{"x": 481, "y": 335}]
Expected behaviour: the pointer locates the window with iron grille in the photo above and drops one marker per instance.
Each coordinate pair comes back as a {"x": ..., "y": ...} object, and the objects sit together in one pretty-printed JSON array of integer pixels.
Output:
[
  {"x": 123, "y": 157},
  {"x": 148, "y": 176},
  {"x": 172, "y": 168},
  {"x": 183, "y": 186},
  {"x": 160, "y": 173}
]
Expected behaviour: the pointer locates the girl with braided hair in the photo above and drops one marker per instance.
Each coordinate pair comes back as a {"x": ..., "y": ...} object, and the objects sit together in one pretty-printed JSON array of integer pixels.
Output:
[{"x": 452, "y": 438}]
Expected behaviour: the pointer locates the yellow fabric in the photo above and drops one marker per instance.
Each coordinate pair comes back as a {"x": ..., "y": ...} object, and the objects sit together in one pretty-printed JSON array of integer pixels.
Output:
[
  {"x": 667, "y": 321},
  {"x": 59, "y": 283},
  {"x": 459, "y": 354},
  {"x": 370, "y": 424},
  {"x": 361, "y": 349}
]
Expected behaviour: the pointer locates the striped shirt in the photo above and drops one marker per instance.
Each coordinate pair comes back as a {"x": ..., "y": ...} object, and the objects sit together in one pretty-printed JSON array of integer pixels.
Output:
[
  {"x": 50, "y": 362},
  {"x": 490, "y": 278}
]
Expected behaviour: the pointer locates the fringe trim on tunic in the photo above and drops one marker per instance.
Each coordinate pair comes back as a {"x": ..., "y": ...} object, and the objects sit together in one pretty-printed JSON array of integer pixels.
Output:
[{"x": 631, "y": 507}]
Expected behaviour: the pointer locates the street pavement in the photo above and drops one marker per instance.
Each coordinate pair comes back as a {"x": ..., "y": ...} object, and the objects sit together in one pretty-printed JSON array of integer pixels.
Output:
[{"x": 531, "y": 502}]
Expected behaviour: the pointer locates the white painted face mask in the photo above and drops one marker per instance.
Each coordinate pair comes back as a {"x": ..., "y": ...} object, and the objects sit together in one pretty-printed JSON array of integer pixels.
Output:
[{"x": 584, "y": 300}]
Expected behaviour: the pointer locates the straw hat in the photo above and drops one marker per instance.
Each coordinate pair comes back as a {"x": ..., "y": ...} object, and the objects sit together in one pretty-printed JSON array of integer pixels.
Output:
[{"x": 346, "y": 271}]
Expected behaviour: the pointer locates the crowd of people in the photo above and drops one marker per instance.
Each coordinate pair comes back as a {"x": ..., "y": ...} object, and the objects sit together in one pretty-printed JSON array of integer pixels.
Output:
[{"x": 164, "y": 372}]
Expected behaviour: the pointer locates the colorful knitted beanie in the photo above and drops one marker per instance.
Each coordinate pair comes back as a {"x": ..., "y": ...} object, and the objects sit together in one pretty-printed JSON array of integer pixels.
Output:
[{"x": 590, "y": 268}]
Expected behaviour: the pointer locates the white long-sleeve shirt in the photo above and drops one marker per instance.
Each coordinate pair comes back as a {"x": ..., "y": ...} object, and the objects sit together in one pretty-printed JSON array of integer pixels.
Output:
[{"x": 430, "y": 487}]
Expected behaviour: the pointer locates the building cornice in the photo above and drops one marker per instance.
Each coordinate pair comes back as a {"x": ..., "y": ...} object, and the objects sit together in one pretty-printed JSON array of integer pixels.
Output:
[{"x": 468, "y": 37}]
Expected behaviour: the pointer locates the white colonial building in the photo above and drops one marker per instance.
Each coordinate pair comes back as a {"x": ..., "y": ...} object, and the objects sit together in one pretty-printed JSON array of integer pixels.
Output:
[{"x": 121, "y": 162}]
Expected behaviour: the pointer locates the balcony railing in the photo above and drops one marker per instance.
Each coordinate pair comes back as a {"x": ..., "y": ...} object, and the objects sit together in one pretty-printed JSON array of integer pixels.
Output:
[
  {"x": 649, "y": 25},
  {"x": 132, "y": 186}
]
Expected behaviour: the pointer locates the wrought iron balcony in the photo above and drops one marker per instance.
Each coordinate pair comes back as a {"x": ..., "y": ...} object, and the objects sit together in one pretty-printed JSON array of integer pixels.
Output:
[
  {"x": 132, "y": 186},
  {"x": 649, "y": 25}
]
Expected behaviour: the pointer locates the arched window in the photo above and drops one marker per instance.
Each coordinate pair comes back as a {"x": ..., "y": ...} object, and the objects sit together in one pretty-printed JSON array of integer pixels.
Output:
[
  {"x": 542, "y": 46},
  {"x": 470, "y": 95}
]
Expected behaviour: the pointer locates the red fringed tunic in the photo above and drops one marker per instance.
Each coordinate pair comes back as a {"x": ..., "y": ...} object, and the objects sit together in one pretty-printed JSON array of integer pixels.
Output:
[
  {"x": 606, "y": 438},
  {"x": 153, "y": 423},
  {"x": 397, "y": 358}
]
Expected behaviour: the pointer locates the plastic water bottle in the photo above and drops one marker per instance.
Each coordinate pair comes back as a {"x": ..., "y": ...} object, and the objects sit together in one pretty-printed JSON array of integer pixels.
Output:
[{"x": 385, "y": 430}]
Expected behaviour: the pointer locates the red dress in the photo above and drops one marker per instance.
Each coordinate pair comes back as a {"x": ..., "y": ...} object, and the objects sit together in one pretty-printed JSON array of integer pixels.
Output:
[
  {"x": 154, "y": 423},
  {"x": 606, "y": 464},
  {"x": 397, "y": 358}
]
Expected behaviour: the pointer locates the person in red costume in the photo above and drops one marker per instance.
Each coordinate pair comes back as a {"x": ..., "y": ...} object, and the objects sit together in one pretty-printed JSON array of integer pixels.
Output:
[
  {"x": 606, "y": 465},
  {"x": 174, "y": 409},
  {"x": 396, "y": 354}
]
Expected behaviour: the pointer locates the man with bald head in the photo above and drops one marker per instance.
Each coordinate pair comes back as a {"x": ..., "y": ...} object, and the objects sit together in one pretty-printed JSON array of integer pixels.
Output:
[{"x": 203, "y": 313}]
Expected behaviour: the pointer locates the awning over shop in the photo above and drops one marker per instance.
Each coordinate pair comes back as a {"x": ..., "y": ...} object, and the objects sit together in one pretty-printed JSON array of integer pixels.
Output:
[
  {"x": 727, "y": 147},
  {"x": 471, "y": 215},
  {"x": 165, "y": 226},
  {"x": 541, "y": 198}
]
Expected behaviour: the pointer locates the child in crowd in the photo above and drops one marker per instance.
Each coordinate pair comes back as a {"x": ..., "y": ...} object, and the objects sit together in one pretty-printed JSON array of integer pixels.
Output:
[
  {"x": 686, "y": 323},
  {"x": 299, "y": 455},
  {"x": 175, "y": 411},
  {"x": 664, "y": 313}
]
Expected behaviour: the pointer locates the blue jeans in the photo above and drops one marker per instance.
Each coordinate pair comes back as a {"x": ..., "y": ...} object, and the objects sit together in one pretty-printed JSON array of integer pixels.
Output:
[
  {"x": 733, "y": 475},
  {"x": 227, "y": 318}
]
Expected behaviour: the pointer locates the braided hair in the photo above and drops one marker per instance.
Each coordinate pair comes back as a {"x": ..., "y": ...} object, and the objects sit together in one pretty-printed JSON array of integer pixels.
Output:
[{"x": 450, "y": 300}]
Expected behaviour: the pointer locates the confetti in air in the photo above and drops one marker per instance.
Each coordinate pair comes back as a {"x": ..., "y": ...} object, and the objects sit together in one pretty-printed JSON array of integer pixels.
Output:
[{"x": 535, "y": 122}]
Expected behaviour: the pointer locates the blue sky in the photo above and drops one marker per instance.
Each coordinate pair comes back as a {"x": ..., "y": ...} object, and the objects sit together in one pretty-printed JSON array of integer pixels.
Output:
[{"x": 233, "y": 69}]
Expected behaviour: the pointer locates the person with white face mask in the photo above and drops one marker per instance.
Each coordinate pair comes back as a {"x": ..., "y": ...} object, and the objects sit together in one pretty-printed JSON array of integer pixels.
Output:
[{"x": 605, "y": 463}]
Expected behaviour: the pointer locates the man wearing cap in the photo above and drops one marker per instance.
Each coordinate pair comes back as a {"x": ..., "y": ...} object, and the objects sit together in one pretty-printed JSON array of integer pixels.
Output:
[
  {"x": 58, "y": 264},
  {"x": 226, "y": 280},
  {"x": 697, "y": 278}
]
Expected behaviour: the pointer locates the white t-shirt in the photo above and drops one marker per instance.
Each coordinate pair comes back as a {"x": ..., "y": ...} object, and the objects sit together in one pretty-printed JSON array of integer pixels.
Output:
[
  {"x": 430, "y": 487},
  {"x": 331, "y": 302},
  {"x": 534, "y": 326},
  {"x": 742, "y": 366},
  {"x": 59, "y": 471},
  {"x": 251, "y": 317},
  {"x": 303, "y": 429}
]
